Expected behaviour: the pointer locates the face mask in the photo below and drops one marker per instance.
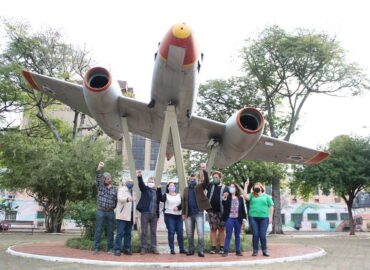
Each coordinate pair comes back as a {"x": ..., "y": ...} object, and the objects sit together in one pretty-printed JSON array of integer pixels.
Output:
[
  {"x": 216, "y": 181},
  {"x": 151, "y": 184},
  {"x": 257, "y": 190},
  {"x": 129, "y": 185},
  {"x": 171, "y": 188},
  {"x": 232, "y": 190}
]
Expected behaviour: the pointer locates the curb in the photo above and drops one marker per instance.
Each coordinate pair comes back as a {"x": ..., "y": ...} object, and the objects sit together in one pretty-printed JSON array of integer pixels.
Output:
[{"x": 309, "y": 256}]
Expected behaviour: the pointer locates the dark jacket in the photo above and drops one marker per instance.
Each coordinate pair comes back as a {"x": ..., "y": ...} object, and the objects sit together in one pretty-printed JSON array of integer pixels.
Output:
[
  {"x": 146, "y": 197},
  {"x": 227, "y": 206},
  {"x": 202, "y": 200}
]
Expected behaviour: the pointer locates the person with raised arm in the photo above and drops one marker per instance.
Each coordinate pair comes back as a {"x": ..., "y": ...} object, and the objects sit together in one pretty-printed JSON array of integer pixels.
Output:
[{"x": 195, "y": 202}]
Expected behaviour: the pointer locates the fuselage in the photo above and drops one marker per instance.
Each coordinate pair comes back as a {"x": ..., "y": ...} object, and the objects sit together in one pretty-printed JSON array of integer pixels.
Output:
[{"x": 175, "y": 75}]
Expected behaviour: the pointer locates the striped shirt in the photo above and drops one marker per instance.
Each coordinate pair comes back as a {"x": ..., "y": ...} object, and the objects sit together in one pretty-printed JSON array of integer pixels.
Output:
[{"x": 107, "y": 197}]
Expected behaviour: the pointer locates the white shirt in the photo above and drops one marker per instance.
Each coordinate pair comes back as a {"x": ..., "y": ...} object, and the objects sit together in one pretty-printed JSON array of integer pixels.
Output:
[{"x": 172, "y": 201}]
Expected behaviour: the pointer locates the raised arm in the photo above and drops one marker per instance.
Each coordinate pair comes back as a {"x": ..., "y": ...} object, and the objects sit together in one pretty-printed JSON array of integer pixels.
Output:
[
  {"x": 245, "y": 193},
  {"x": 99, "y": 174},
  {"x": 140, "y": 180}
]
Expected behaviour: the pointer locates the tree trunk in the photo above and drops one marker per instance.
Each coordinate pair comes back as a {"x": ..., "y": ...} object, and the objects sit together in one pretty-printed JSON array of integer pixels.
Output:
[
  {"x": 350, "y": 218},
  {"x": 277, "y": 227}
]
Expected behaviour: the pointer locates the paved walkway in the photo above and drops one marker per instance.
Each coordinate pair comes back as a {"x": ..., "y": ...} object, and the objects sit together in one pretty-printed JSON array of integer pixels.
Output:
[
  {"x": 57, "y": 251},
  {"x": 344, "y": 252}
]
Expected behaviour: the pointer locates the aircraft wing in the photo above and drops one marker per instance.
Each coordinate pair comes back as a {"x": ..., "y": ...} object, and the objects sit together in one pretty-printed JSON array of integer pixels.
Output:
[
  {"x": 275, "y": 150},
  {"x": 267, "y": 148},
  {"x": 65, "y": 92},
  {"x": 139, "y": 116},
  {"x": 200, "y": 131}
]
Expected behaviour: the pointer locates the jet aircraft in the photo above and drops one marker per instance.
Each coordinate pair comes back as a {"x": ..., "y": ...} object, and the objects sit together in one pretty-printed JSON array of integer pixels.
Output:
[{"x": 175, "y": 81}]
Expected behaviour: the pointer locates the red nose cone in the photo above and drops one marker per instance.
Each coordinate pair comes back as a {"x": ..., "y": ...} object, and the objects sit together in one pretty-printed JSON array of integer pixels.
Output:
[{"x": 180, "y": 35}]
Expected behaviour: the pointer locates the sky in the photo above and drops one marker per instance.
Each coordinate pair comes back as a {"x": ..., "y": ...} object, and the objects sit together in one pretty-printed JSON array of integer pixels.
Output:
[{"x": 123, "y": 37}]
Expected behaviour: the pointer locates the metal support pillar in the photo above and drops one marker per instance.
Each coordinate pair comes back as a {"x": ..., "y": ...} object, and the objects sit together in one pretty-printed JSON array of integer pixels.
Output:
[
  {"x": 130, "y": 157},
  {"x": 170, "y": 127},
  {"x": 132, "y": 167}
]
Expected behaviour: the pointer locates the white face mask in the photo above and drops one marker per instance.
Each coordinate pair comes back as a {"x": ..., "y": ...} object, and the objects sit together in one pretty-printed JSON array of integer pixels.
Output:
[
  {"x": 151, "y": 184},
  {"x": 232, "y": 190}
]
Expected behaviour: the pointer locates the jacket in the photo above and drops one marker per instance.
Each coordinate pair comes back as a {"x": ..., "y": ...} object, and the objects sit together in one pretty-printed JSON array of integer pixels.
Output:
[
  {"x": 202, "y": 200},
  {"x": 146, "y": 197},
  {"x": 227, "y": 206},
  {"x": 123, "y": 209}
]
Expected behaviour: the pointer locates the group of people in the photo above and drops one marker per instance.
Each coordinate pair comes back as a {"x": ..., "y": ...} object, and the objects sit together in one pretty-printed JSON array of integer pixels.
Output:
[{"x": 225, "y": 206}]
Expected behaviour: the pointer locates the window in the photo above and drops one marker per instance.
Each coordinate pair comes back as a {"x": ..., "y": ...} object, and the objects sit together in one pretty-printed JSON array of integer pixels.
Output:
[
  {"x": 332, "y": 225},
  {"x": 317, "y": 191},
  {"x": 313, "y": 217},
  {"x": 344, "y": 216},
  {"x": 154, "y": 154},
  {"x": 313, "y": 225},
  {"x": 331, "y": 216},
  {"x": 40, "y": 215},
  {"x": 297, "y": 217},
  {"x": 138, "y": 151},
  {"x": 317, "y": 200}
]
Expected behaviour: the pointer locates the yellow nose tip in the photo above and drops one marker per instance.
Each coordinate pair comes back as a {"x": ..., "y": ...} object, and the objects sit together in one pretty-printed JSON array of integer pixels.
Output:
[{"x": 181, "y": 30}]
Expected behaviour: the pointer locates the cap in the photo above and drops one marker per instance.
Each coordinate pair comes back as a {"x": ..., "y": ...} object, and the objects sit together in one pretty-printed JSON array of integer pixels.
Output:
[{"x": 192, "y": 174}]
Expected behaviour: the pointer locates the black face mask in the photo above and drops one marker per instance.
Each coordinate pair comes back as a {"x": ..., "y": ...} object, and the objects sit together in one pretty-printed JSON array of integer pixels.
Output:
[{"x": 257, "y": 190}]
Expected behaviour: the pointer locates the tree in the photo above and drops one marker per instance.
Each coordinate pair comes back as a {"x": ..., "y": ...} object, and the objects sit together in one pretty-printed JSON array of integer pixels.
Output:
[
  {"x": 346, "y": 172},
  {"x": 55, "y": 175},
  {"x": 44, "y": 52}
]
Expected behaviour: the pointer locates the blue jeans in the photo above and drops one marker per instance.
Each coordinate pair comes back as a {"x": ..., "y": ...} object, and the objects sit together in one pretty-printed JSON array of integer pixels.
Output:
[
  {"x": 102, "y": 216},
  {"x": 174, "y": 225},
  {"x": 124, "y": 229},
  {"x": 236, "y": 225},
  {"x": 259, "y": 230},
  {"x": 190, "y": 223}
]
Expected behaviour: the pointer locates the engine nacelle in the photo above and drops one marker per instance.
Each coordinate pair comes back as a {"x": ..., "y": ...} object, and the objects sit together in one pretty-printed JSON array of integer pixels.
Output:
[
  {"x": 101, "y": 96},
  {"x": 243, "y": 130}
]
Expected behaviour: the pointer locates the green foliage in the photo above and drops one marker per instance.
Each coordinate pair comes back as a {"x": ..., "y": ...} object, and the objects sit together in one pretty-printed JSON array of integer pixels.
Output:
[
  {"x": 54, "y": 174},
  {"x": 287, "y": 68},
  {"x": 347, "y": 171},
  {"x": 44, "y": 52},
  {"x": 84, "y": 214}
]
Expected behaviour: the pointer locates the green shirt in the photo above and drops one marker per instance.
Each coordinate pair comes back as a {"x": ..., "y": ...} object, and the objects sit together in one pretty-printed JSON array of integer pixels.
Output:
[{"x": 260, "y": 206}]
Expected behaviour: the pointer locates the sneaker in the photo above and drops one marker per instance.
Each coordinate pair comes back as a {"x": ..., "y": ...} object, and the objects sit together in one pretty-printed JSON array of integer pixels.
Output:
[
  {"x": 213, "y": 250},
  {"x": 254, "y": 253},
  {"x": 173, "y": 252},
  {"x": 110, "y": 252},
  {"x": 221, "y": 250},
  {"x": 96, "y": 252},
  {"x": 200, "y": 254},
  {"x": 238, "y": 253},
  {"x": 225, "y": 254},
  {"x": 155, "y": 251},
  {"x": 265, "y": 254},
  {"x": 142, "y": 251},
  {"x": 127, "y": 252},
  {"x": 117, "y": 253},
  {"x": 184, "y": 251}
]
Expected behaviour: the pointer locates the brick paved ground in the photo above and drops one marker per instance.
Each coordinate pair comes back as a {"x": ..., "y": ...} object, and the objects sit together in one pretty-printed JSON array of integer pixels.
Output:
[{"x": 343, "y": 252}]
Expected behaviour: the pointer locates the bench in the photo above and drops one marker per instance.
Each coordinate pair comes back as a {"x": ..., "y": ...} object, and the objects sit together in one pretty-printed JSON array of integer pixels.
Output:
[{"x": 20, "y": 225}]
